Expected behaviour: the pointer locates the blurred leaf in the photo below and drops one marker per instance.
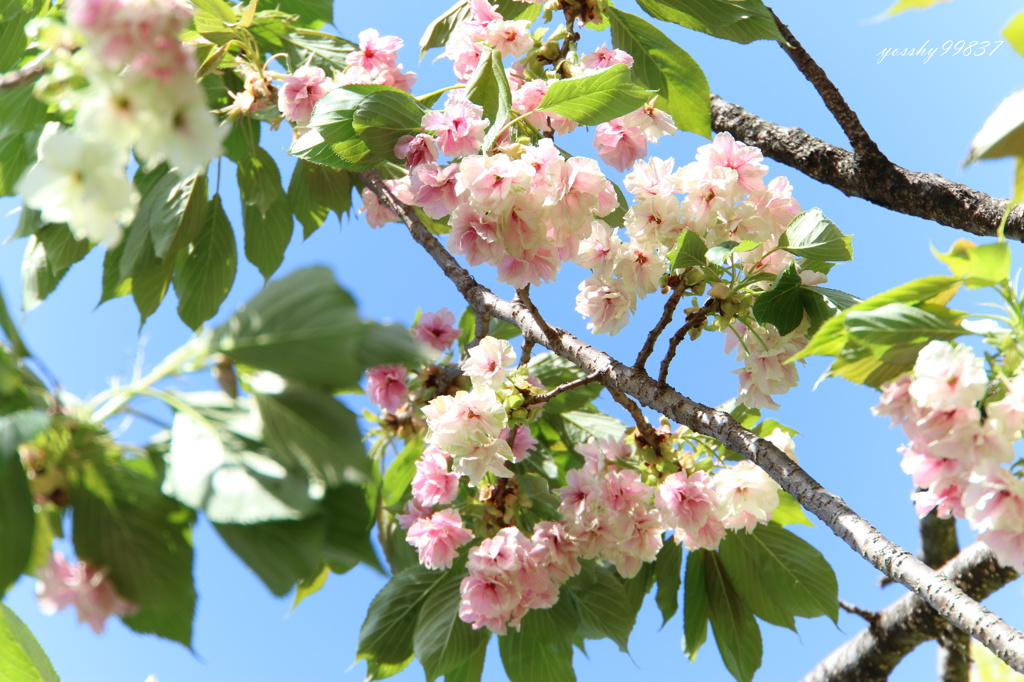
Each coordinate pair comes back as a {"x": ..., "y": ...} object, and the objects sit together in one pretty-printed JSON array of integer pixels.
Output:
[
  {"x": 144, "y": 540},
  {"x": 1002, "y": 134},
  {"x": 266, "y": 215},
  {"x": 20, "y": 111},
  {"x": 281, "y": 553},
  {"x": 659, "y": 64},
  {"x": 790, "y": 512},
  {"x": 21, "y": 657},
  {"x": 17, "y": 518},
  {"x": 311, "y": 585},
  {"x": 899, "y": 323},
  {"x": 316, "y": 429},
  {"x": 904, "y": 5},
  {"x": 313, "y": 13},
  {"x": 17, "y": 153},
  {"x": 742, "y": 21},
  {"x": 979, "y": 266},
  {"x": 400, "y": 473},
  {"x": 171, "y": 213},
  {"x": 13, "y": 40},
  {"x": 306, "y": 328},
  {"x": 314, "y": 191},
  {"x": 217, "y": 464},
  {"x": 51, "y": 250},
  {"x": 541, "y": 650},
  {"x": 597, "y": 97},
  {"x": 1014, "y": 33},
  {"x": 348, "y": 522},
  {"x": 443, "y": 642},
  {"x": 205, "y": 278}
]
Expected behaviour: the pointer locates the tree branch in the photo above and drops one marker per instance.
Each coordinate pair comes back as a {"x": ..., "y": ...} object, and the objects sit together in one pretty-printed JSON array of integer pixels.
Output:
[
  {"x": 694, "y": 320},
  {"x": 666, "y": 318},
  {"x": 938, "y": 545},
  {"x": 951, "y": 602},
  {"x": 26, "y": 74},
  {"x": 834, "y": 101},
  {"x": 925, "y": 195},
  {"x": 873, "y": 654}
]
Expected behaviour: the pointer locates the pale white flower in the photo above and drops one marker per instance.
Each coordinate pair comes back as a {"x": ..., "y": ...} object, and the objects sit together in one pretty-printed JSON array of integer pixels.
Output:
[
  {"x": 748, "y": 497},
  {"x": 82, "y": 182}
]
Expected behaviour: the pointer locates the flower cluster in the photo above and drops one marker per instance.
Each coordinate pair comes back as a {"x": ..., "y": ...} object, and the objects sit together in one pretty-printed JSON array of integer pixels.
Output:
[
  {"x": 957, "y": 454},
  {"x": 62, "y": 584},
  {"x": 764, "y": 353},
  {"x": 142, "y": 95}
]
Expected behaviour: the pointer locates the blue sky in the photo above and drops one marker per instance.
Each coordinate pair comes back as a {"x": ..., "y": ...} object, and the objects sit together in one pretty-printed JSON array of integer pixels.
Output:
[{"x": 922, "y": 114}]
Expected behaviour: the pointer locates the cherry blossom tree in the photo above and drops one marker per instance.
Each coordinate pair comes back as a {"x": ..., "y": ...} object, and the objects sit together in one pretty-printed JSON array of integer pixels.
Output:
[{"x": 513, "y": 480}]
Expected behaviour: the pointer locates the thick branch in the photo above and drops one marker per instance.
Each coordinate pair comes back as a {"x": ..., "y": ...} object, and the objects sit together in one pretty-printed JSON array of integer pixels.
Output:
[
  {"x": 924, "y": 195},
  {"x": 939, "y": 544},
  {"x": 873, "y": 654},
  {"x": 955, "y": 606},
  {"x": 837, "y": 106}
]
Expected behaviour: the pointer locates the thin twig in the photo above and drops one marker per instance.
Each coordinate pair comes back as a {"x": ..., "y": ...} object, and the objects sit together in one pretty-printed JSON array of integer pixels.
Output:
[
  {"x": 647, "y": 432},
  {"x": 870, "y": 616},
  {"x": 837, "y": 106},
  {"x": 25, "y": 74},
  {"x": 526, "y": 352},
  {"x": 693, "y": 321},
  {"x": 666, "y": 317},
  {"x": 483, "y": 324},
  {"x": 558, "y": 390}
]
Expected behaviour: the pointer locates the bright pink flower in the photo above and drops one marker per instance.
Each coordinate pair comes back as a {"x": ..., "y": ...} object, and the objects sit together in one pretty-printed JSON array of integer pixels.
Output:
[
  {"x": 522, "y": 444},
  {"x": 1008, "y": 546},
  {"x": 438, "y": 538},
  {"x": 459, "y": 128},
  {"x": 437, "y": 330},
  {"x": 487, "y": 602},
  {"x": 687, "y": 502},
  {"x": 475, "y": 235},
  {"x": 602, "y": 58},
  {"x": 95, "y": 598},
  {"x": 598, "y": 251},
  {"x": 510, "y": 38},
  {"x": 433, "y": 483},
  {"x": 433, "y": 188},
  {"x": 896, "y": 402},
  {"x": 619, "y": 145},
  {"x": 726, "y": 152},
  {"x": 386, "y": 386},
  {"x": 413, "y": 513},
  {"x": 607, "y": 304},
  {"x": 416, "y": 149},
  {"x": 555, "y": 550},
  {"x": 301, "y": 91},
  {"x": 948, "y": 376},
  {"x": 487, "y": 181},
  {"x": 538, "y": 267},
  {"x": 377, "y": 215},
  {"x": 375, "y": 52}
]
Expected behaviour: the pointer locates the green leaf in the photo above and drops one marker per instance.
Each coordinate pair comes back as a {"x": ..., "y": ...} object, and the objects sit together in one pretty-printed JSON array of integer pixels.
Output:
[
  {"x": 114, "y": 286},
  {"x": 578, "y": 426},
  {"x": 978, "y": 266},
  {"x": 171, "y": 213},
  {"x": 812, "y": 235},
  {"x": 383, "y": 117},
  {"x": 1014, "y": 33},
  {"x": 17, "y": 518},
  {"x": 400, "y": 473},
  {"x": 10, "y": 329},
  {"x": 595, "y": 98},
  {"x": 1002, "y": 133},
  {"x": 387, "y": 633},
  {"x": 541, "y": 650},
  {"x": 721, "y": 254},
  {"x": 443, "y": 642},
  {"x": 602, "y": 606},
  {"x": 790, "y": 512},
  {"x": 150, "y": 284},
  {"x": 21, "y": 657},
  {"x": 899, "y": 323},
  {"x": 779, "y": 576},
  {"x": 305, "y": 46},
  {"x": 281, "y": 553},
  {"x": 306, "y": 328},
  {"x": 17, "y": 153},
  {"x": 439, "y": 29},
  {"x": 313, "y": 13},
  {"x": 216, "y": 463},
  {"x": 38, "y": 278},
  {"x": 690, "y": 251},
  {"x": 205, "y": 278},
  {"x": 316, "y": 429},
  {"x": 20, "y": 111},
  {"x": 667, "y": 570},
  {"x": 553, "y": 371},
  {"x": 513, "y": 10},
  {"x": 489, "y": 88},
  {"x": 348, "y": 521},
  {"x": 659, "y": 64},
  {"x": 314, "y": 191},
  {"x": 736, "y": 632},
  {"x": 311, "y": 585},
  {"x": 144, "y": 540},
  {"x": 840, "y": 299},
  {"x": 266, "y": 215},
  {"x": 13, "y": 40},
  {"x": 783, "y": 305},
  {"x": 217, "y": 8},
  {"x": 695, "y": 605},
  {"x": 742, "y": 21},
  {"x": 904, "y": 5}
]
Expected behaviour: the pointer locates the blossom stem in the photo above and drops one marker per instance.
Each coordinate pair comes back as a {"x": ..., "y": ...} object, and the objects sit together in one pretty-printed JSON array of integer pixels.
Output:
[{"x": 666, "y": 318}]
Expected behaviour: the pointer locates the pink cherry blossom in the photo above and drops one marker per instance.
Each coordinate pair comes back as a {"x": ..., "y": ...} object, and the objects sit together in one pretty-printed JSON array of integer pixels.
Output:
[
  {"x": 414, "y": 511},
  {"x": 459, "y": 128},
  {"x": 748, "y": 497},
  {"x": 386, "y": 386},
  {"x": 433, "y": 188},
  {"x": 619, "y": 145},
  {"x": 437, "y": 330},
  {"x": 606, "y": 303},
  {"x": 62, "y": 584},
  {"x": 377, "y": 215},
  {"x": 438, "y": 538},
  {"x": 488, "y": 362},
  {"x": 416, "y": 149},
  {"x": 375, "y": 52},
  {"x": 603, "y": 57},
  {"x": 725, "y": 151},
  {"x": 433, "y": 483},
  {"x": 301, "y": 91},
  {"x": 948, "y": 376}
]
